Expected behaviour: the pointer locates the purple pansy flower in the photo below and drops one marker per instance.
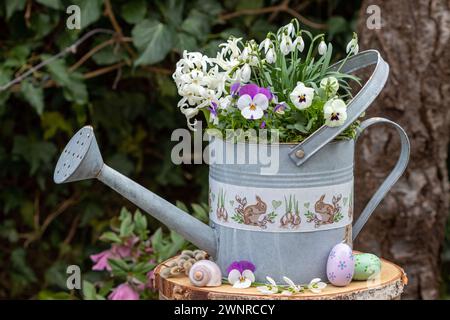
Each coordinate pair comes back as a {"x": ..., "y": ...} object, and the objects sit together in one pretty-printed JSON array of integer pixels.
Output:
[
  {"x": 279, "y": 108},
  {"x": 241, "y": 266},
  {"x": 263, "y": 125},
  {"x": 252, "y": 90},
  {"x": 234, "y": 89}
]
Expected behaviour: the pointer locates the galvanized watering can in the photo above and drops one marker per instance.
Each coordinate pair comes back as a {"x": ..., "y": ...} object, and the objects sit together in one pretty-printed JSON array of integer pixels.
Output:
[{"x": 286, "y": 224}]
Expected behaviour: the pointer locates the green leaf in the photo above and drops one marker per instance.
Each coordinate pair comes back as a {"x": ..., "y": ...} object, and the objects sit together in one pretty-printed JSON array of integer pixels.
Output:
[
  {"x": 134, "y": 11},
  {"x": 52, "y": 122},
  {"x": 36, "y": 153},
  {"x": 110, "y": 236},
  {"x": 197, "y": 24},
  {"x": 91, "y": 11},
  {"x": 172, "y": 10},
  {"x": 33, "y": 95},
  {"x": 20, "y": 265},
  {"x": 140, "y": 222},
  {"x": 200, "y": 212},
  {"x": 185, "y": 41},
  {"x": 118, "y": 267},
  {"x": 13, "y": 6},
  {"x": 153, "y": 39},
  {"x": 54, "y": 4},
  {"x": 89, "y": 292},
  {"x": 126, "y": 227}
]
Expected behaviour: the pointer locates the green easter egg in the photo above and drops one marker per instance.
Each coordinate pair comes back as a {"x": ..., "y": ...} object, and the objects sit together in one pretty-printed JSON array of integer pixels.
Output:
[{"x": 366, "y": 265}]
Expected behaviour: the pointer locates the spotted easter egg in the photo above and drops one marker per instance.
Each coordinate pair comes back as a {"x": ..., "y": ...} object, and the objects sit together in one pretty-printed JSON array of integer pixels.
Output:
[
  {"x": 366, "y": 266},
  {"x": 340, "y": 265}
]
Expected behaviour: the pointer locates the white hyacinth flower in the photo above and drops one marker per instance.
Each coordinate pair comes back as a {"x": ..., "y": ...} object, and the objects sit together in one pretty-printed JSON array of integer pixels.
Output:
[
  {"x": 253, "y": 108},
  {"x": 241, "y": 280},
  {"x": 353, "y": 46},
  {"x": 302, "y": 96},
  {"x": 335, "y": 112},
  {"x": 330, "y": 85},
  {"x": 322, "y": 49},
  {"x": 299, "y": 43},
  {"x": 316, "y": 285},
  {"x": 270, "y": 288},
  {"x": 286, "y": 44},
  {"x": 246, "y": 72},
  {"x": 271, "y": 56}
]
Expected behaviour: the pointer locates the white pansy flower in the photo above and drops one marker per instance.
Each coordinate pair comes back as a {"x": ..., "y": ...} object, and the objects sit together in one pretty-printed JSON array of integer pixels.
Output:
[
  {"x": 335, "y": 112},
  {"x": 316, "y": 285},
  {"x": 246, "y": 72},
  {"x": 241, "y": 280},
  {"x": 292, "y": 289},
  {"x": 302, "y": 96},
  {"x": 330, "y": 85},
  {"x": 269, "y": 288},
  {"x": 253, "y": 108},
  {"x": 353, "y": 46},
  {"x": 299, "y": 43},
  {"x": 322, "y": 49},
  {"x": 266, "y": 44},
  {"x": 271, "y": 56},
  {"x": 286, "y": 44}
]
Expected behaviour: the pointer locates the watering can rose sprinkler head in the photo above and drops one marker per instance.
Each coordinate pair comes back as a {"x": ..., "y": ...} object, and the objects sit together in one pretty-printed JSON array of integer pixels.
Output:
[{"x": 81, "y": 160}]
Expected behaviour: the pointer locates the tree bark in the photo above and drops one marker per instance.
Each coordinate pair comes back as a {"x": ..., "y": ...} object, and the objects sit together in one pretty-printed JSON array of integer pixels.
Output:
[{"x": 408, "y": 226}]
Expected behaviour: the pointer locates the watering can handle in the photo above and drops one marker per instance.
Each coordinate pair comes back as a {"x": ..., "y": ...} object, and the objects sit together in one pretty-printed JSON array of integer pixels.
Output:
[
  {"x": 395, "y": 174},
  {"x": 360, "y": 102}
]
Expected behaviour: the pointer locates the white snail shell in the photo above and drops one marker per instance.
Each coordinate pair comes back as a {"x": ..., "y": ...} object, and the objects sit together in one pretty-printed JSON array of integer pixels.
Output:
[{"x": 205, "y": 273}]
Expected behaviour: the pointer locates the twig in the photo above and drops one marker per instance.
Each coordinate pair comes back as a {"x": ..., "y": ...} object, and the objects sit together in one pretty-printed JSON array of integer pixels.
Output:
[
  {"x": 282, "y": 7},
  {"x": 104, "y": 70},
  {"x": 71, "y": 49},
  {"x": 110, "y": 13},
  {"x": 72, "y": 230}
]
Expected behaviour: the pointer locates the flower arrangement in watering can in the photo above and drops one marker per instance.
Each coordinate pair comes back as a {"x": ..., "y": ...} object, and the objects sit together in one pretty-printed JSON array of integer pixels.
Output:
[{"x": 285, "y": 222}]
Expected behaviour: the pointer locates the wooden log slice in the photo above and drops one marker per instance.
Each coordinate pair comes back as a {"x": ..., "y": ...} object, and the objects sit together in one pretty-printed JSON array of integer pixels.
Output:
[{"x": 388, "y": 286}]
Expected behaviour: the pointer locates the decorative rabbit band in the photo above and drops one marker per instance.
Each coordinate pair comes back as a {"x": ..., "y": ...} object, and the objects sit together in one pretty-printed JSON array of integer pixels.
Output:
[{"x": 281, "y": 210}]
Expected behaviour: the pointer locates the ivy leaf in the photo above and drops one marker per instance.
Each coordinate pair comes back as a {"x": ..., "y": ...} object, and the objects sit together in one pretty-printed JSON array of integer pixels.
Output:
[
  {"x": 197, "y": 24},
  {"x": 33, "y": 95},
  {"x": 153, "y": 39},
  {"x": 134, "y": 11},
  {"x": 91, "y": 11},
  {"x": 36, "y": 153}
]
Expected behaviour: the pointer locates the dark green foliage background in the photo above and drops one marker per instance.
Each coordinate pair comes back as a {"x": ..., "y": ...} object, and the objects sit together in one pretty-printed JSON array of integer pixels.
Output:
[{"x": 45, "y": 227}]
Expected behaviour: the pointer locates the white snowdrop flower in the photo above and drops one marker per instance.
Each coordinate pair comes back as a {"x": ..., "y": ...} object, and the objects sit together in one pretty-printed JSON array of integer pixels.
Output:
[
  {"x": 330, "y": 85},
  {"x": 292, "y": 289},
  {"x": 266, "y": 44},
  {"x": 302, "y": 96},
  {"x": 335, "y": 112},
  {"x": 286, "y": 45},
  {"x": 353, "y": 46},
  {"x": 271, "y": 56},
  {"x": 290, "y": 28},
  {"x": 299, "y": 43},
  {"x": 246, "y": 72},
  {"x": 322, "y": 49},
  {"x": 316, "y": 285},
  {"x": 269, "y": 288},
  {"x": 253, "y": 108}
]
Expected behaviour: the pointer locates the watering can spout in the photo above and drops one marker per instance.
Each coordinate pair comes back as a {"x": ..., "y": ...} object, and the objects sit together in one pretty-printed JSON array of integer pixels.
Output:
[{"x": 81, "y": 160}]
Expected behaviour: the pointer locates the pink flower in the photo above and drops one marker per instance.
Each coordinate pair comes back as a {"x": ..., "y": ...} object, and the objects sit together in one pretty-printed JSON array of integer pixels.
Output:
[
  {"x": 124, "y": 292},
  {"x": 101, "y": 260}
]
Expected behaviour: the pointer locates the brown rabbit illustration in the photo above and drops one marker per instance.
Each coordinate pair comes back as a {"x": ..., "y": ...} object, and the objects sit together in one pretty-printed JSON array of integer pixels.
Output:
[
  {"x": 324, "y": 211},
  {"x": 252, "y": 213}
]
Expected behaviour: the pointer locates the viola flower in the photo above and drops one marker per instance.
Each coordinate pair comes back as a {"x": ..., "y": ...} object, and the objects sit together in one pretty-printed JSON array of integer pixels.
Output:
[
  {"x": 253, "y": 108},
  {"x": 292, "y": 289},
  {"x": 280, "y": 108},
  {"x": 302, "y": 96},
  {"x": 353, "y": 46},
  {"x": 316, "y": 285},
  {"x": 269, "y": 288},
  {"x": 213, "y": 116},
  {"x": 335, "y": 112},
  {"x": 124, "y": 292},
  {"x": 240, "y": 274},
  {"x": 234, "y": 89},
  {"x": 330, "y": 85},
  {"x": 322, "y": 49}
]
